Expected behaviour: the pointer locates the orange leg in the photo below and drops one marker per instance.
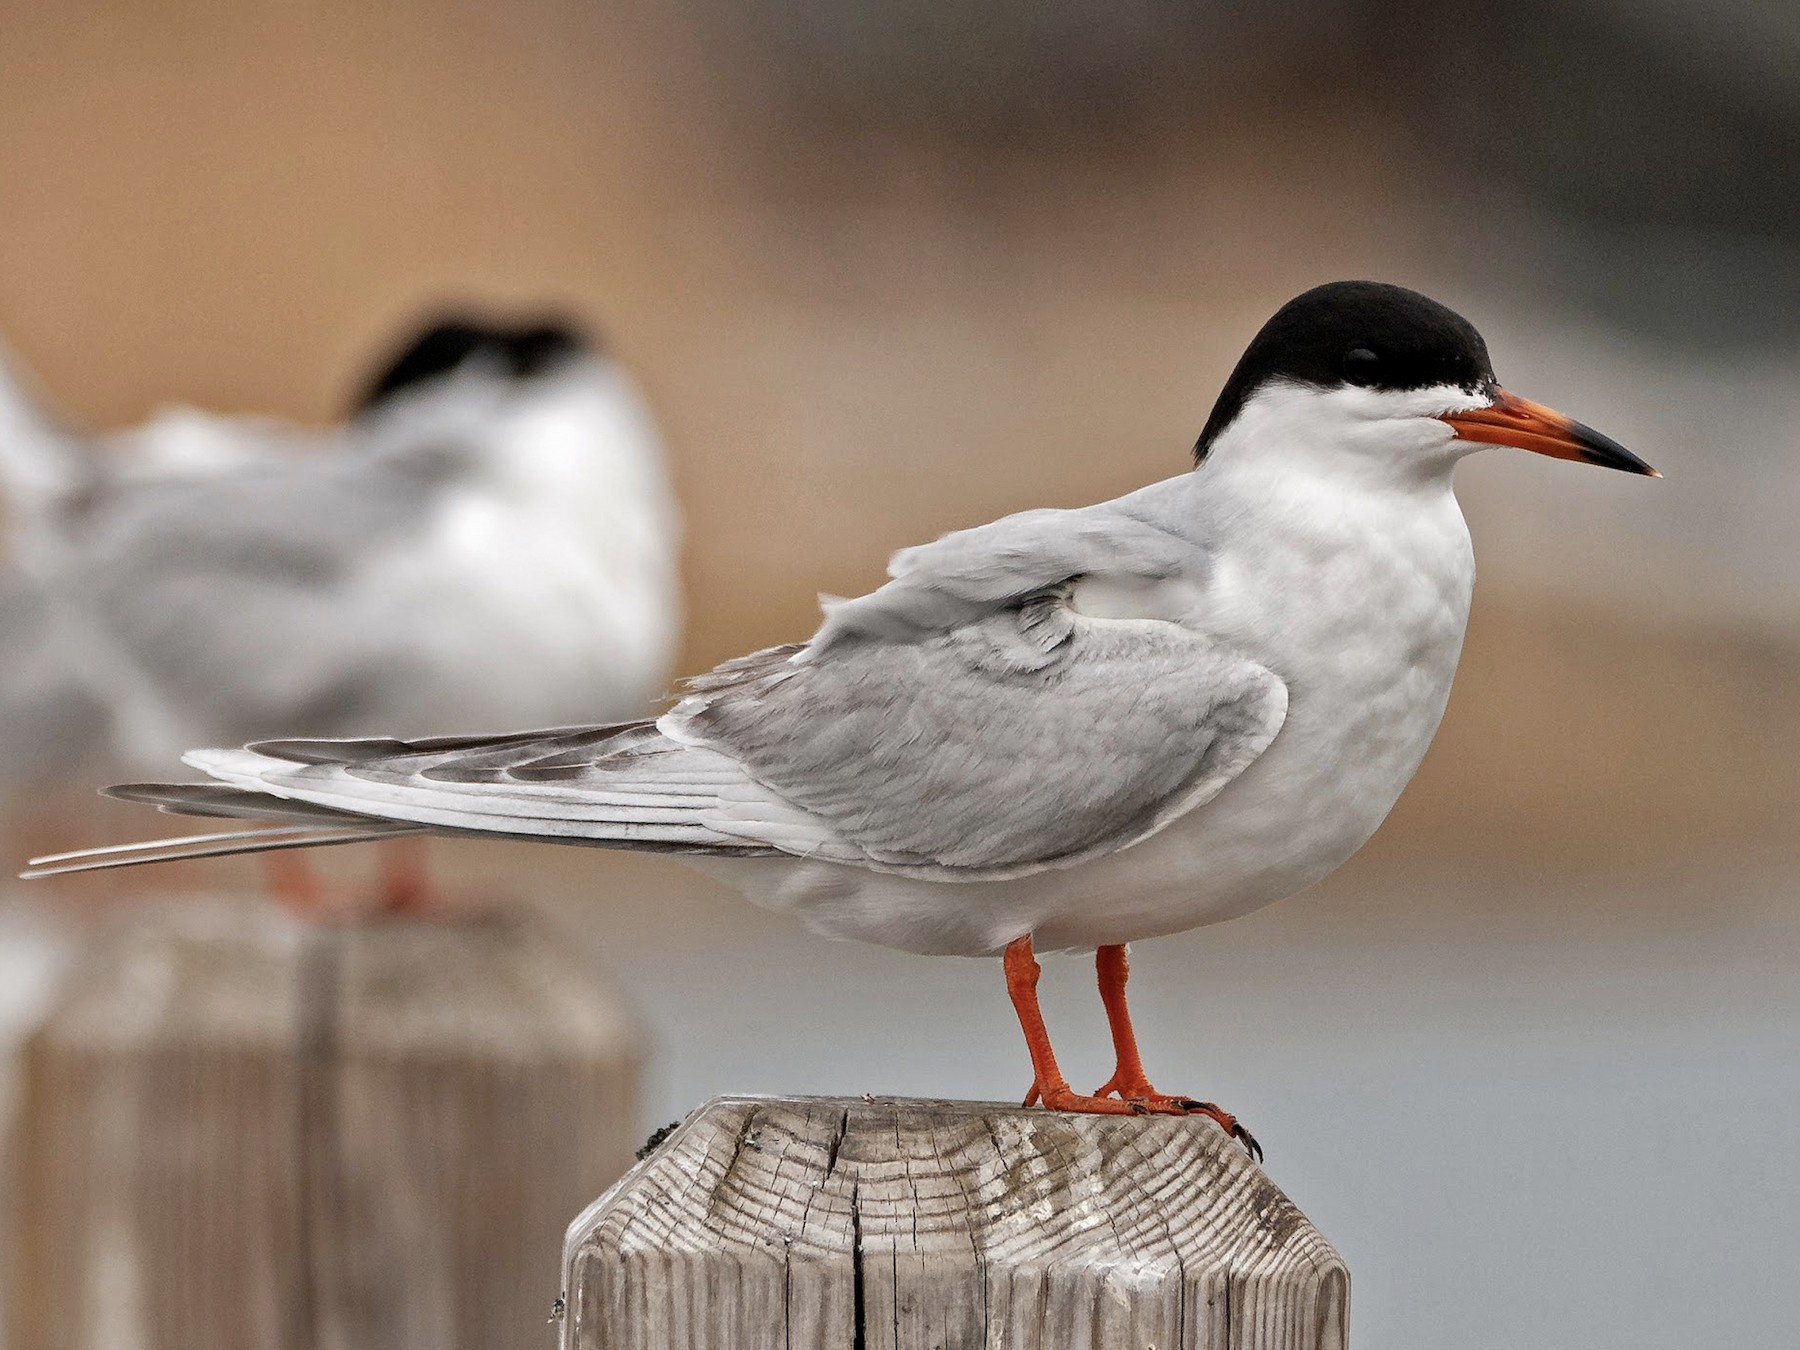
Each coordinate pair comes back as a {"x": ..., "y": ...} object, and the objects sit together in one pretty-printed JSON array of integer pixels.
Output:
[
  {"x": 1047, "y": 1083},
  {"x": 1129, "y": 1081},
  {"x": 405, "y": 882},
  {"x": 292, "y": 881}
]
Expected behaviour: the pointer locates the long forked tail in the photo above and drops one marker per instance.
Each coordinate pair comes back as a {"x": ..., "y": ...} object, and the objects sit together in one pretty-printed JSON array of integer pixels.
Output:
[
  {"x": 623, "y": 785},
  {"x": 306, "y": 826}
]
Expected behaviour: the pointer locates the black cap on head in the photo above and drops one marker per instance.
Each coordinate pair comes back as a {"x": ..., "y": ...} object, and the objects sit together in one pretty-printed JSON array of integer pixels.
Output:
[
  {"x": 542, "y": 347},
  {"x": 520, "y": 351},
  {"x": 1355, "y": 332}
]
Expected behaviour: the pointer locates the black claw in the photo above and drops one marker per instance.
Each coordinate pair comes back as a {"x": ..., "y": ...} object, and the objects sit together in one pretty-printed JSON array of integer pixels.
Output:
[
  {"x": 1248, "y": 1140},
  {"x": 1238, "y": 1132}
]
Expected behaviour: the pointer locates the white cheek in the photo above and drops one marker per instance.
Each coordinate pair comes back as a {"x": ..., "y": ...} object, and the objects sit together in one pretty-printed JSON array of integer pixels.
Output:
[
  {"x": 1424, "y": 434},
  {"x": 1408, "y": 425}
]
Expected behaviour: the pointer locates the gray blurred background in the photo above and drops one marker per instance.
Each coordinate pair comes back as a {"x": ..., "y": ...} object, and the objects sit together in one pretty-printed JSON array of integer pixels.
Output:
[{"x": 886, "y": 270}]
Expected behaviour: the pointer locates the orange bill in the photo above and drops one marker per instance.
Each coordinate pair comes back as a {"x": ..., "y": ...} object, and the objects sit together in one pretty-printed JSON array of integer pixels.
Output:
[{"x": 1518, "y": 422}]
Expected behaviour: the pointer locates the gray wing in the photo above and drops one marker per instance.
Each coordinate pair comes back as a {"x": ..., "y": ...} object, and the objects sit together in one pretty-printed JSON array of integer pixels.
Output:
[
  {"x": 1031, "y": 738},
  {"x": 286, "y": 517},
  {"x": 965, "y": 717}
]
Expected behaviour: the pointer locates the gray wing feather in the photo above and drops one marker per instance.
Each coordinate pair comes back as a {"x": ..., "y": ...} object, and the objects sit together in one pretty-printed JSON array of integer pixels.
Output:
[{"x": 625, "y": 784}]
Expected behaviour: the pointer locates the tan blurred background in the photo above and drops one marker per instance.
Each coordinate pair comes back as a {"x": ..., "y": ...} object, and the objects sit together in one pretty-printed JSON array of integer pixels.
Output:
[{"x": 889, "y": 270}]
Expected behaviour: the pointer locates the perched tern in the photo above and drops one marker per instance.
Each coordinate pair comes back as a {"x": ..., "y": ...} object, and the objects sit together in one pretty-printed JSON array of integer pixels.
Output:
[
  {"x": 1068, "y": 728},
  {"x": 489, "y": 540}
]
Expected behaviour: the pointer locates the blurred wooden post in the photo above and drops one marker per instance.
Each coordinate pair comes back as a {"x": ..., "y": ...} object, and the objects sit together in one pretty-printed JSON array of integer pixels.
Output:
[
  {"x": 808, "y": 1224},
  {"x": 238, "y": 1131}
]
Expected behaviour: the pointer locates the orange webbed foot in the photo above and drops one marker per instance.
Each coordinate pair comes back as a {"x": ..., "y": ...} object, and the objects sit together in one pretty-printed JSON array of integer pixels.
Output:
[{"x": 1061, "y": 1097}]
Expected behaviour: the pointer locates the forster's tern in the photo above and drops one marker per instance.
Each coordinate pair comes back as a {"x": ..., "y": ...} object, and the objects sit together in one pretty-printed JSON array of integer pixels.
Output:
[
  {"x": 490, "y": 540},
  {"x": 1073, "y": 728}
]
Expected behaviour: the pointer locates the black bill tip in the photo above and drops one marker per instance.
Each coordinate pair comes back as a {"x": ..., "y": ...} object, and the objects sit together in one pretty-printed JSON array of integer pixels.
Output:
[{"x": 1601, "y": 449}]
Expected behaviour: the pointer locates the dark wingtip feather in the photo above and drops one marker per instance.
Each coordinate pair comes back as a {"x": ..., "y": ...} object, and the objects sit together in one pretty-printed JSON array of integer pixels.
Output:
[
  {"x": 362, "y": 750},
  {"x": 331, "y": 751},
  {"x": 225, "y": 801}
]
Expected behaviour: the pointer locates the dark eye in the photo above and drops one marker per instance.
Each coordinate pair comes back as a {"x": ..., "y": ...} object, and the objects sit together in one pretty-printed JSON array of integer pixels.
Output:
[{"x": 1361, "y": 366}]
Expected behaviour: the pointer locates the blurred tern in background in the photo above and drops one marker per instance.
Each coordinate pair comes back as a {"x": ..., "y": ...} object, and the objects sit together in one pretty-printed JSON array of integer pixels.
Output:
[
  {"x": 490, "y": 540},
  {"x": 1074, "y": 728}
]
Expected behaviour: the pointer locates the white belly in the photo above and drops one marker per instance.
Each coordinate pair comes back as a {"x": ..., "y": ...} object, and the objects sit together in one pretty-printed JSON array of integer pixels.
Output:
[{"x": 1367, "y": 641}]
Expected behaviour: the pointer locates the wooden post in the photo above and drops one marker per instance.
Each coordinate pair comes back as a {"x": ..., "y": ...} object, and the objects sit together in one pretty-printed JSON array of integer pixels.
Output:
[
  {"x": 865, "y": 1223},
  {"x": 239, "y": 1131}
]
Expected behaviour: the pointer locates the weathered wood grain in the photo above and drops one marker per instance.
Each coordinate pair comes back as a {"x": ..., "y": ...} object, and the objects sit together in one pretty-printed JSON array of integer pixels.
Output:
[
  {"x": 238, "y": 1131},
  {"x": 924, "y": 1225}
]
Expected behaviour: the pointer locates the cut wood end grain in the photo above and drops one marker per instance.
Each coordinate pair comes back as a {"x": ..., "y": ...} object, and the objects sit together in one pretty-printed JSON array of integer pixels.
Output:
[
  {"x": 239, "y": 1130},
  {"x": 874, "y": 1222}
]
